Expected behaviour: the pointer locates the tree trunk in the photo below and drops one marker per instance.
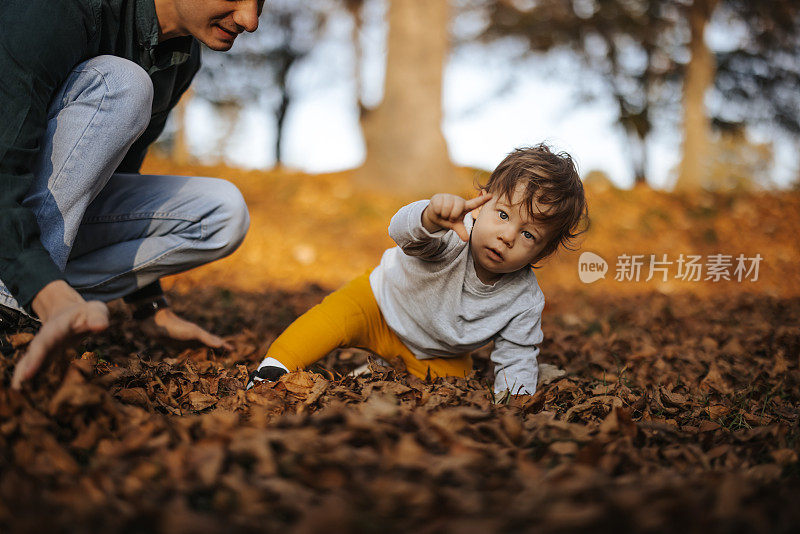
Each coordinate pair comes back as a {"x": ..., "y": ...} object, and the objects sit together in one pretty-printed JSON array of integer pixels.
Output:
[
  {"x": 640, "y": 161},
  {"x": 228, "y": 112},
  {"x": 280, "y": 116},
  {"x": 406, "y": 151},
  {"x": 694, "y": 167},
  {"x": 282, "y": 78},
  {"x": 355, "y": 7}
]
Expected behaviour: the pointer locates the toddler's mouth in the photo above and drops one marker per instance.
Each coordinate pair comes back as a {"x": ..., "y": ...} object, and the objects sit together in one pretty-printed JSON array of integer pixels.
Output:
[{"x": 494, "y": 254}]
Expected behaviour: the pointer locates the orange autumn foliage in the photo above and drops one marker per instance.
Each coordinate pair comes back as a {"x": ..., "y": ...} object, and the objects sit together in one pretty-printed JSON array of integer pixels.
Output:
[{"x": 321, "y": 229}]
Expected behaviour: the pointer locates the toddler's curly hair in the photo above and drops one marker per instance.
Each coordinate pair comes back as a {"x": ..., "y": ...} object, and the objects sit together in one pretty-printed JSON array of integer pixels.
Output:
[{"x": 551, "y": 180}]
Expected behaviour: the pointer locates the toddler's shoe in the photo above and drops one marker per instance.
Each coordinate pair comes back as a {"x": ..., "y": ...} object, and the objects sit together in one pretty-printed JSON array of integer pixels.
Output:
[{"x": 269, "y": 369}]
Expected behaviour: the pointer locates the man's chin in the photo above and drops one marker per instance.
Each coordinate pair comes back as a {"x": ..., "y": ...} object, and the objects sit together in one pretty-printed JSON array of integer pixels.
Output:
[{"x": 218, "y": 45}]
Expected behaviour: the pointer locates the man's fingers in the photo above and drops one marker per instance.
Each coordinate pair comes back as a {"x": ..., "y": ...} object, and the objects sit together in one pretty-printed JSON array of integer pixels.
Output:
[
  {"x": 97, "y": 316},
  {"x": 94, "y": 318},
  {"x": 478, "y": 201},
  {"x": 30, "y": 363},
  {"x": 59, "y": 331},
  {"x": 20, "y": 374}
]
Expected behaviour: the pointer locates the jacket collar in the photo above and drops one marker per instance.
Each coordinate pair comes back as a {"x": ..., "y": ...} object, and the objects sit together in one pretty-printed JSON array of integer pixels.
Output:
[{"x": 164, "y": 55}]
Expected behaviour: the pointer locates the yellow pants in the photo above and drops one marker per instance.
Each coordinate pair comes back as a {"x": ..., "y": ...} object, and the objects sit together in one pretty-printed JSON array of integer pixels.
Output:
[{"x": 350, "y": 317}]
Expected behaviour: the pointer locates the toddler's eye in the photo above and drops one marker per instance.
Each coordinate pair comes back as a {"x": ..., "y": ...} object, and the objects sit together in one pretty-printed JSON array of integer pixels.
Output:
[
  {"x": 503, "y": 215},
  {"x": 528, "y": 235}
]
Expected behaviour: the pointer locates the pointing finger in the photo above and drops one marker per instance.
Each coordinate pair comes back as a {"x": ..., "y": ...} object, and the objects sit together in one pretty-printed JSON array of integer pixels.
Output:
[{"x": 478, "y": 201}]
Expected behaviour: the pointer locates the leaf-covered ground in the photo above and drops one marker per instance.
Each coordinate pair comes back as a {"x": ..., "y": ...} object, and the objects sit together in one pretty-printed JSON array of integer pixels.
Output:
[
  {"x": 678, "y": 410},
  {"x": 676, "y": 413}
]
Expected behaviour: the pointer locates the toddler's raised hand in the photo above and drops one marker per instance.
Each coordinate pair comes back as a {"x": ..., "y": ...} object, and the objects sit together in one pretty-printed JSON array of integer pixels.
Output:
[{"x": 448, "y": 211}]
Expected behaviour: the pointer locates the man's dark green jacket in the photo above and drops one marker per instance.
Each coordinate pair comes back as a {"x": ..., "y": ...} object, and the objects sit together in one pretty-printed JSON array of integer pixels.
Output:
[{"x": 41, "y": 41}]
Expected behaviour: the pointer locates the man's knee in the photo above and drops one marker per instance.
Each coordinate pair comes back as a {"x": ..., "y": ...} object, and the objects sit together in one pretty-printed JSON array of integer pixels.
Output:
[
  {"x": 127, "y": 91},
  {"x": 229, "y": 220}
]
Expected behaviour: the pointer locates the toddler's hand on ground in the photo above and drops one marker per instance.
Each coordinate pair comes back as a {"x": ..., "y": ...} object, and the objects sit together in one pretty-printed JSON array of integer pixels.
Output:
[{"x": 448, "y": 211}]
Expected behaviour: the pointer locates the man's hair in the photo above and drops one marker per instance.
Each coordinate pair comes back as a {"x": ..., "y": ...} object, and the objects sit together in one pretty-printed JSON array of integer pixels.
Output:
[{"x": 551, "y": 180}]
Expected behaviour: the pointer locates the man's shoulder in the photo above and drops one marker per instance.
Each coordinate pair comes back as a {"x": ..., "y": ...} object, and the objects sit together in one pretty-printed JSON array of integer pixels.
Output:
[
  {"x": 90, "y": 10},
  {"x": 57, "y": 11},
  {"x": 47, "y": 35}
]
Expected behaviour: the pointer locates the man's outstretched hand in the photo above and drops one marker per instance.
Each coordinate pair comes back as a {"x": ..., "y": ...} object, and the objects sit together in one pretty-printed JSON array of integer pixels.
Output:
[
  {"x": 166, "y": 325},
  {"x": 65, "y": 316},
  {"x": 448, "y": 211}
]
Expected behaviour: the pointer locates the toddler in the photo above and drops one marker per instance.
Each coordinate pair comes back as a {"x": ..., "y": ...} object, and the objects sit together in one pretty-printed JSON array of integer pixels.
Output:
[{"x": 453, "y": 283}]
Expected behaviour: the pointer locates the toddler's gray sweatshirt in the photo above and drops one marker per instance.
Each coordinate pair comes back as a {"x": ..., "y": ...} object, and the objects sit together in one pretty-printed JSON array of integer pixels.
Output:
[{"x": 431, "y": 297}]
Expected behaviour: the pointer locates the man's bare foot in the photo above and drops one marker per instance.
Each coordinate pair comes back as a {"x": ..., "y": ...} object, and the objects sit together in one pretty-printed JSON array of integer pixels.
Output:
[
  {"x": 165, "y": 324},
  {"x": 65, "y": 318}
]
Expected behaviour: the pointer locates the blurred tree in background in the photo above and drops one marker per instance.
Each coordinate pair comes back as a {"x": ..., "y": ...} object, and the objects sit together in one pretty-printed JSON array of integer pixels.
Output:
[
  {"x": 694, "y": 171},
  {"x": 758, "y": 81},
  {"x": 627, "y": 43},
  {"x": 644, "y": 50},
  {"x": 652, "y": 57},
  {"x": 754, "y": 82},
  {"x": 406, "y": 150},
  {"x": 259, "y": 67},
  {"x": 355, "y": 9}
]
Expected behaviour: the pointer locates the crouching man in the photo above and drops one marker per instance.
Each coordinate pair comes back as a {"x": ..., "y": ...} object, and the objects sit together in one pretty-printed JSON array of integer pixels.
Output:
[{"x": 87, "y": 86}]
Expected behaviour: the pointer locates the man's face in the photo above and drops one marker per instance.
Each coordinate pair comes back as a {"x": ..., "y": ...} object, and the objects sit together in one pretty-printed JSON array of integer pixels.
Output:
[
  {"x": 216, "y": 23},
  {"x": 504, "y": 238}
]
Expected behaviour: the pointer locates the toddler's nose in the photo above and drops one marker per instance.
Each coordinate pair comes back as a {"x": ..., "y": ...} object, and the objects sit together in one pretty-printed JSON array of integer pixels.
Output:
[{"x": 507, "y": 238}]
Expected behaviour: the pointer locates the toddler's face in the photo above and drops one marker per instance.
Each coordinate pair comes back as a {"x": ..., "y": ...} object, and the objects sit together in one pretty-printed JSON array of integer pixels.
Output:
[{"x": 504, "y": 238}]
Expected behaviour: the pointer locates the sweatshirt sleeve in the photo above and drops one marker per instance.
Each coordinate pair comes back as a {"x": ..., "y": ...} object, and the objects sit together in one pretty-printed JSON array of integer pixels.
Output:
[
  {"x": 407, "y": 231},
  {"x": 40, "y": 43},
  {"x": 515, "y": 354}
]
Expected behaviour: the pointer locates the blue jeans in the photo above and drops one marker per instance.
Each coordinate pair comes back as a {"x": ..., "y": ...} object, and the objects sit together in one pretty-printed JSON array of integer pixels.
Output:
[{"x": 112, "y": 233}]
